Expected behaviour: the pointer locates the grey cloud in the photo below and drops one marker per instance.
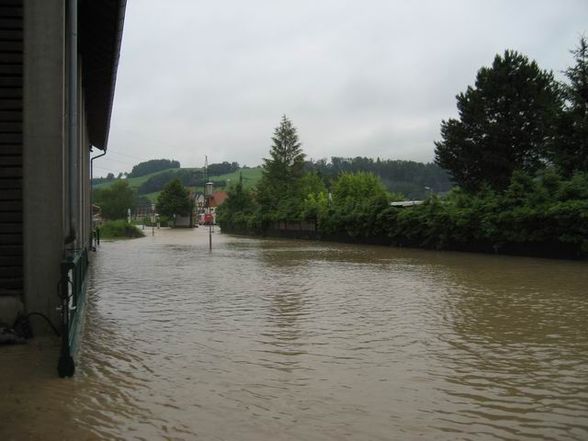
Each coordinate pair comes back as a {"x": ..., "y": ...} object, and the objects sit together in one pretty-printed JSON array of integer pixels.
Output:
[{"x": 372, "y": 78}]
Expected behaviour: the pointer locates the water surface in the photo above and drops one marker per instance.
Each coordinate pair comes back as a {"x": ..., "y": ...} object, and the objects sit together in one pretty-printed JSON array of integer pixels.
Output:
[{"x": 295, "y": 340}]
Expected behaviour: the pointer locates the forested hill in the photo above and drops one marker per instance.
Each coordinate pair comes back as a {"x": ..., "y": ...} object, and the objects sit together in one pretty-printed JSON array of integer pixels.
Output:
[
  {"x": 151, "y": 176},
  {"x": 152, "y": 166},
  {"x": 412, "y": 179}
]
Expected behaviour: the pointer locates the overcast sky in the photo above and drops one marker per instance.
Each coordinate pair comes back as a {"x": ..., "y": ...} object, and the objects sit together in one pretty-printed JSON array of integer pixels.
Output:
[{"x": 357, "y": 78}]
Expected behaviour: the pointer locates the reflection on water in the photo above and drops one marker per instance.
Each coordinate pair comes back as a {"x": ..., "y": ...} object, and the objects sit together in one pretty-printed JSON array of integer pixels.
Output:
[{"x": 268, "y": 339}]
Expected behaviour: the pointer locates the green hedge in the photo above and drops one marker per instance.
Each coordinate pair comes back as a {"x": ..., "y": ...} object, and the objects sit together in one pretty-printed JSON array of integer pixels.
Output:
[
  {"x": 544, "y": 215},
  {"x": 119, "y": 229}
]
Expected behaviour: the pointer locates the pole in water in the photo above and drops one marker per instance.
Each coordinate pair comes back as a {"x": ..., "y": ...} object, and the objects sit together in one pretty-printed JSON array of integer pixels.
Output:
[
  {"x": 210, "y": 237},
  {"x": 153, "y": 219}
]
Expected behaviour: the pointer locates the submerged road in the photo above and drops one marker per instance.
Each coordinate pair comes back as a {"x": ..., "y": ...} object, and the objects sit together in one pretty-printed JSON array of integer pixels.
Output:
[{"x": 293, "y": 340}]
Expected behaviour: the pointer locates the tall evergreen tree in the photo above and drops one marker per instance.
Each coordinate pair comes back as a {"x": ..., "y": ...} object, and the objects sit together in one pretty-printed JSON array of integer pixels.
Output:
[
  {"x": 506, "y": 123},
  {"x": 571, "y": 150},
  {"x": 282, "y": 170}
]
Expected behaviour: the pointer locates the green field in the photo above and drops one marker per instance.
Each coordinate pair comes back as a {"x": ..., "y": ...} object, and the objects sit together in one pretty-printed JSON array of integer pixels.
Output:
[
  {"x": 152, "y": 196},
  {"x": 134, "y": 182},
  {"x": 250, "y": 178}
]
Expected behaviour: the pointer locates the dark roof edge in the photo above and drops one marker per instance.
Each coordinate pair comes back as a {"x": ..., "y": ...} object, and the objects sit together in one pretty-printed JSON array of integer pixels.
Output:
[
  {"x": 121, "y": 22},
  {"x": 100, "y": 29}
]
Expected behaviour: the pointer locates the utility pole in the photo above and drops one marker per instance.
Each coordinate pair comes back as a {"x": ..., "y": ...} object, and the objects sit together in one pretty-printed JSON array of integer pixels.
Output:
[
  {"x": 208, "y": 195},
  {"x": 153, "y": 219}
]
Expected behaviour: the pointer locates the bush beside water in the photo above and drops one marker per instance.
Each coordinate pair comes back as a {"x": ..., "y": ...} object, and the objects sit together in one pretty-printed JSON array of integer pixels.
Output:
[
  {"x": 544, "y": 215},
  {"x": 517, "y": 152},
  {"x": 119, "y": 229}
]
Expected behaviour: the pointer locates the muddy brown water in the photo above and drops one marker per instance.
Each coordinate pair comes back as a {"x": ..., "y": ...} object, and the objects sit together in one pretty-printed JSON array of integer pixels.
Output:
[{"x": 294, "y": 340}]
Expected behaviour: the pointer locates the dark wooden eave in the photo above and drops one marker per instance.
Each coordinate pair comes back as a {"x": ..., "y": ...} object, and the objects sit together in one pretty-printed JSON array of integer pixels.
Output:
[{"x": 100, "y": 32}]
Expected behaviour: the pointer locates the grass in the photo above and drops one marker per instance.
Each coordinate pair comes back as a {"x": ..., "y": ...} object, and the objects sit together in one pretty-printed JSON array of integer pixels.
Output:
[
  {"x": 152, "y": 196},
  {"x": 135, "y": 182},
  {"x": 251, "y": 177},
  {"x": 119, "y": 229}
]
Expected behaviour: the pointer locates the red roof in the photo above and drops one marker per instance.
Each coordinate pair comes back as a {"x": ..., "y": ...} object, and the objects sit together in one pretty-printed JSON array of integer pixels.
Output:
[{"x": 218, "y": 197}]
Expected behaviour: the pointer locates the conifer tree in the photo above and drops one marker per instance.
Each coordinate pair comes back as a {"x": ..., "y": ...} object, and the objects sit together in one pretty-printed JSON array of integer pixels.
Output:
[
  {"x": 282, "y": 170},
  {"x": 571, "y": 150},
  {"x": 506, "y": 122}
]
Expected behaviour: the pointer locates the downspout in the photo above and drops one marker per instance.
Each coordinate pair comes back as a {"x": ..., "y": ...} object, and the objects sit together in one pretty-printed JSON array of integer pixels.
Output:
[
  {"x": 92, "y": 189},
  {"x": 73, "y": 167},
  {"x": 92, "y": 163}
]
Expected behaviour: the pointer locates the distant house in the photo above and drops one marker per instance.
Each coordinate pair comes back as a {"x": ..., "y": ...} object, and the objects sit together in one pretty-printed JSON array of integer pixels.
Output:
[
  {"x": 217, "y": 199},
  {"x": 58, "y": 64},
  {"x": 199, "y": 200},
  {"x": 183, "y": 222},
  {"x": 199, "y": 204},
  {"x": 96, "y": 215}
]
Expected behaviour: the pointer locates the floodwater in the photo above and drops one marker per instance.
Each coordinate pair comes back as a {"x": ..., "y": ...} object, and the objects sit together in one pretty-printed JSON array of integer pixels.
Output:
[{"x": 294, "y": 340}]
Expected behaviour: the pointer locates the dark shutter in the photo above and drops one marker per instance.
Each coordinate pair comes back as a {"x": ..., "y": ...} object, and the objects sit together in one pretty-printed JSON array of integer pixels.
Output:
[{"x": 11, "y": 80}]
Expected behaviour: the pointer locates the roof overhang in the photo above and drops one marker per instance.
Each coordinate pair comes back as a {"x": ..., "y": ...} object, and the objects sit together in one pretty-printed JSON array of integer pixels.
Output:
[{"x": 100, "y": 30}]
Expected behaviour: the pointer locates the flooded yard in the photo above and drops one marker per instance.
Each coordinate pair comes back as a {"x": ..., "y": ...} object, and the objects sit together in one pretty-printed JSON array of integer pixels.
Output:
[{"x": 268, "y": 339}]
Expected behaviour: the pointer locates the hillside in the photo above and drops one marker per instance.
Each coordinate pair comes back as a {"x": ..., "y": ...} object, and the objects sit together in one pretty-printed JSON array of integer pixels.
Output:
[
  {"x": 250, "y": 177},
  {"x": 134, "y": 183},
  {"x": 412, "y": 179},
  {"x": 222, "y": 182}
]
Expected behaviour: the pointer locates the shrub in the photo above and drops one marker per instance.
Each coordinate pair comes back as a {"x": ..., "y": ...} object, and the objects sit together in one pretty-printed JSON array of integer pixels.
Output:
[{"x": 119, "y": 229}]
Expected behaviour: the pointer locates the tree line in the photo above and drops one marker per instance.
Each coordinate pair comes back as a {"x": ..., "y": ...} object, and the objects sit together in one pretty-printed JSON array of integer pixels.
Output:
[
  {"x": 152, "y": 166},
  {"x": 413, "y": 179},
  {"x": 517, "y": 117},
  {"x": 116, "y": 200},
  {"x": 517, "y": 153}
]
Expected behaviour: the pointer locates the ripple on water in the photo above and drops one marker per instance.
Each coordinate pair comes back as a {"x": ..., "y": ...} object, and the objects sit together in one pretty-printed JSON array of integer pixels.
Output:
[{"x": 266, "y": 339}]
